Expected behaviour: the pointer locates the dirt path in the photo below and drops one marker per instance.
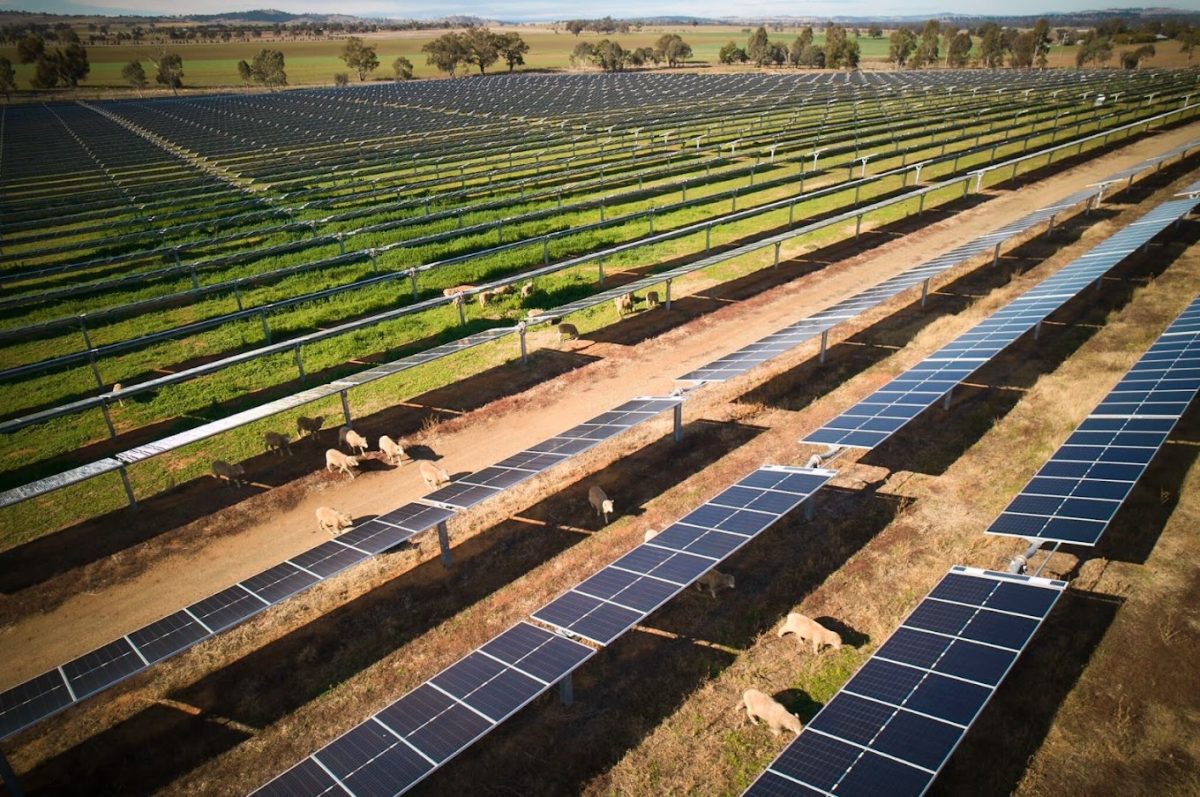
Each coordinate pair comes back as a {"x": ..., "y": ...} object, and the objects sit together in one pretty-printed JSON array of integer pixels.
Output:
[{"x": 188, "y": 567}]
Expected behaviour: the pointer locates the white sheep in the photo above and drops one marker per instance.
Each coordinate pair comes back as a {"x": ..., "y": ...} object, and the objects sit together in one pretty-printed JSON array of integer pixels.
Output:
[
  {"x": 808, "y": 630},
  {"x": 652, "y": 299},
  {"x": 567, "y": 332},
  {"x": 759, "y": 705},
  {"x": 333, "y": 521},
  {"x": 310, "y": 427},
  {"x": 277, "y": 442},
  {"x": 527, "y": 290},
  {"x": 116, "y": 389},
  {"x": 337, "y": 461},
  {"x": 534, "y": 312},
  {"x": 624, "y": 304},
  {"x": 393, "y": 452},
  {"x": 483, "y": 297},
  {"x": 649, "y": 535},
  {"x": 231, "y": 474},
  {"x": 600, "y": 502},
  {"x": 352, "y": 439},
  {"x": 432, "y": 474},
  {"x": 501, "y": 290},
  {"x": 714, "y": 581},
  {"x": 457, "y": 289}
]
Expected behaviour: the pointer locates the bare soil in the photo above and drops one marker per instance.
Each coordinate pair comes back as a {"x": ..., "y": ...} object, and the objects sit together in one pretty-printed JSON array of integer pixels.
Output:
[{"x": 238, "y": 708}]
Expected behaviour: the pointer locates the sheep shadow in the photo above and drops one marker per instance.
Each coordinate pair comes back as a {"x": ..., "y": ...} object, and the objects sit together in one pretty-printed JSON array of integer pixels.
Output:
[
  {"x": 850, "y": 636},
  {"x": 798, "y": 702},
  {"x": 418, "y": 452}
]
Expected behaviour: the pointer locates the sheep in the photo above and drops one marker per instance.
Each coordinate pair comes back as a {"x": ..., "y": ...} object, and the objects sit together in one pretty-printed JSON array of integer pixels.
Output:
[
  {"x": 649, "y": 535},
  {"x": 600, "y": 502},
  {"x": 333, "y": 521},
  {"x": 457, "y": 289},
  {"x": 534, "y": 312},
  {"x": 624, "y": 304},
  {"x": 759, "y": 705},
  {"x": 336, "y": 460},
  {"x": 567, "y": 332},
  {"x": 527, "y": 290},
  {"x": 231, "y": 474},
  {"x": 116, "y": 389},
  {"x": 310, "y": 427},
  {"x": 277, "y": 442},
  {"x": 432, "y": 474},
  {"x": 810, "y": 630},
  {"x": 652, "y": 299},
  {"x": 393, "y": 452},
  {"x": 351, "y": 438},
  {"x": 713, "y": 581},
  {"x": 483, "y": 297},
  {"x": 501, "y": 290}
]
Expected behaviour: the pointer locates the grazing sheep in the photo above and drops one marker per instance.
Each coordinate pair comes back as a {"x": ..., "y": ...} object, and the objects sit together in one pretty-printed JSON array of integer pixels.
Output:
[
  {"x": 432, "y": 474},
  {"x": 759, "y": 705},
  {"x": 501, "y": 290},
  {"x": 534, "y": 312},
  {"x": 809, "y": 630},
  {"x": 652, "y": 299},
  {"x": 457, "y": 289},
  {"x": 458, "y": 300},
  {"x": 483, "y": 297},
  {"x": 567, "y": 332},
  {"x": 393, "y": 452},
  {"x": 310, "y": 427},
  {"x": 352, "y": 439},
  {"x": 624, "y": 304},
  {"x": 649, "y": 535},
  {"x": 117, "y": 388},
  {"x": 277, "y": 442},
  {"x": 231, "y": 474},
  {"x": 600, "y": 502},
  {"x": 713, "y": 581},
  {"x": 336, "y": 460},
  {"x": 527, "y": 290},
  {"x": 333, "y": 521}
]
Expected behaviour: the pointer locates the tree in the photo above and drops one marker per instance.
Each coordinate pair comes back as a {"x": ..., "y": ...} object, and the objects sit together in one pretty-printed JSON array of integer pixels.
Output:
[
  {"x": 135, "y": 75},
  {"x": 512, "y": 49},
  {"x": 446, "y": 52},
  {"x": 958, "y": 51},
  {"x": 813, "y": 56},
  {"x": 1094, "y": 49},
  {"x": 927, "y": 47},
  {"x": 875, "y": 32},
  {"x": 480, "y": 48},
  {"x": 671, "y": 48},
  {"x": 170, "y": 71},
  {"x": 360, "y": 57},
  {"x": 341, "y": 79},
  {"x": 797, "y": 49},
  {"x": 901, "y": 44},
  {"x": 244, "y": 72},
  {"x": 1188, "y": 40},
  {"x": 1022, "y": 47},
  {"x": 732, "y": 54},
  {"x": 45, "y": 72},
  {"x": 403, "y": 68},
  {"x": 584, "y": 53},
  {"x": 267, "y": 68},
  {"x": 72, "y": 64},
  {"x": 839, "y": 50},
  {"x": 30, "y": 48},
  {"x": 610, "y": 56},
  {"x": 1041, "y": 42},
  {"x": 576, "y": 26},
  {"x": 1132, "y": 59},
  {"x": 759, "y": 47},
  {"x": 991, "y": 46},
  {"x": 8, "y": 78}
]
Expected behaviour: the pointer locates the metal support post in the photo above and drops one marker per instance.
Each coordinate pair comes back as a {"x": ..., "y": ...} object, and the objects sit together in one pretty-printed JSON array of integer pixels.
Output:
[
  {"x": 857, "y": 226},
  {"x": 1037, "y": 330},
  {"x": 95, "y": 368},
  {"x": 444, "y": 544},
  {"x": 652, "y": 220},
  {"x": 921, "y": 204},
  {"x": 824, "y": 345},
  {"x": 707, "y": 238},
  {"x": 668, "y": 292},
  {"x": 996, "y": 254},
  {"x": 374, "y": 264},
  {"x": 462, "y": 312},
  {"x": 87, "y": 340},
  {"x": 778, "y": 245},
  {"x": 299, "y": 362},
  {"x": 341, "y": 239},
  {"x": 678, "y": 422},
  {"x": 524, "y": 351},
  {"x": 924, "y": 292},
  {"x": 1050, "y": 229},
  {"x": 112, "y": 430},
  {"x": 346, "y": 408},
  {"x": 237, "y": 295},
  {"x": 809, "y": 510},
  {"x": 195, "y": 279},
  {"x": 133, "y": 504},
  {"x": 262, "y": 316},
  {"x": 545, "y": 251},
  {"x": 412, "y": 278},
  {"x": 600, "y": 271},
  {"x": 949, "y": 397},
  {"x": 566, "y": 690}
]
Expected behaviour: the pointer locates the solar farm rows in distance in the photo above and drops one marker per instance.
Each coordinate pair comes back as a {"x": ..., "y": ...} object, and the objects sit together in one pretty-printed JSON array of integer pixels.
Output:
[
  {"x": 895, "y": 723},
  {"x": 84, "y": 676},
  {"x": 408, "y": 740}
]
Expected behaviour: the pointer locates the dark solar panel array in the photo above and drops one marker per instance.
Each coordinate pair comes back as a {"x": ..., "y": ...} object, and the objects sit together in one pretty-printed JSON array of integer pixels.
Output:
[
  {"x": 1075, "y": 495},
  {"x": 877, "y": 417},
  {"x": 402, "y": 744},
  {"x": 38, "y": 698},
  {"x": 893, "y": 726},
  {"x": 607, "y": 604}
]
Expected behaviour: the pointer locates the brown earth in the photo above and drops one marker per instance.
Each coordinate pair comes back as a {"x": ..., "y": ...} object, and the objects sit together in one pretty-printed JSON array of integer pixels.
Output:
[{"x": 89, "y": 607}]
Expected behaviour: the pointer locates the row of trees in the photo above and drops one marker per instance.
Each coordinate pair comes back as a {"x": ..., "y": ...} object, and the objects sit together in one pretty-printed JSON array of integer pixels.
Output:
[
  {"x": 64, "y": 66},
  {"x": 477, "y": 47},
  {"x": 267, "y": 69},
  {"x": 610, "y": 56},
  {"x": 840, "y": 51},
  {"x": 168, "y": 71}
]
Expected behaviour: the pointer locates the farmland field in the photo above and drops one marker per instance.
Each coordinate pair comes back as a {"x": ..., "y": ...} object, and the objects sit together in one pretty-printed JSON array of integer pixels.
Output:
[{"x": 180, "y": 276}]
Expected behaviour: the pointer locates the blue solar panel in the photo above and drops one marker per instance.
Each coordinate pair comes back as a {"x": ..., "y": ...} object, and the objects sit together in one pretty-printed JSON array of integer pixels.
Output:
[
  {"x": 895, "y": 723},
  {"x": 872, "y": 420},
  {"x": 1079, "y": 490}
]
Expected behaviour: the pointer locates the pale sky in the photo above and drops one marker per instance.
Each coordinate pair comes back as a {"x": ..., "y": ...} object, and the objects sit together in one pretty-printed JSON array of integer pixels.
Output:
[{"x": 537, "y": 10}]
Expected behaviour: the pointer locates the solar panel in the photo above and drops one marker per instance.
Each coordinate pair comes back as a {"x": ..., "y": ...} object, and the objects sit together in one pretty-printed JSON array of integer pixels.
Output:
[
  {"x": 619, "y": 596},
  {"x": 877, "y": 417},
  {"x": 395, "y": 749},
  {"x": 1075, "y": 494},
  {"x": 895, "y": 723}
]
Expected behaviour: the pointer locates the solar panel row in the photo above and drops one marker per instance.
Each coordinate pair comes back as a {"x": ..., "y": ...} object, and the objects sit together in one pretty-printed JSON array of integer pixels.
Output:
[
  {"x": 394, "y": 750},
  {"x": 878, "y": 416},
  {"x": 1075, "y": 495},
  {"x": 893, "y": 726},
  {"x": 38, "y": 698}
]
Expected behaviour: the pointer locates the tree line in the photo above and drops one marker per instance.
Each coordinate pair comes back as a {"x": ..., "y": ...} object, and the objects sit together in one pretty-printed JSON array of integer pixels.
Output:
[
  {"x": 840, "y": 51},
  {"x": 610, "y": 56}
]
